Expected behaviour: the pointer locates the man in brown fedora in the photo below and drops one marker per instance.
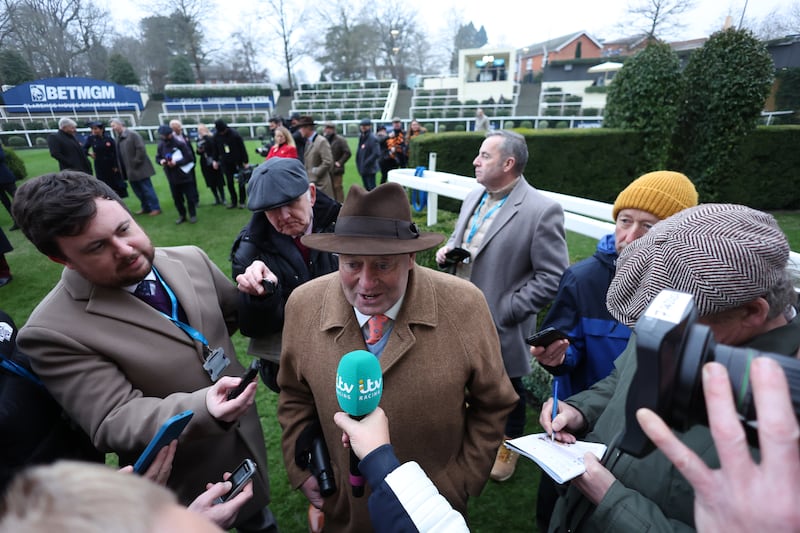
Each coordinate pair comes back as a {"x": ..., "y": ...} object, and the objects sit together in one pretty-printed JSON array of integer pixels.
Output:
[
  {"x": 317, "y": 157},
  {"x": 445, "y": 388}
]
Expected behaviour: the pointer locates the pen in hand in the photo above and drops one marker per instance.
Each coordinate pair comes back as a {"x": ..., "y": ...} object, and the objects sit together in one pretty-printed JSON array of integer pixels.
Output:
[{"x": 555, "y": 409}]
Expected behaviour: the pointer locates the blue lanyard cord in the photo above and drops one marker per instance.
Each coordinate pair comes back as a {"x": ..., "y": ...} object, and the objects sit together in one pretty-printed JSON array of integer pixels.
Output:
[
  {"x": 478, "y": 221},
  {"x": 16, "y": 368},
  {"x": 189, "y": 330}
]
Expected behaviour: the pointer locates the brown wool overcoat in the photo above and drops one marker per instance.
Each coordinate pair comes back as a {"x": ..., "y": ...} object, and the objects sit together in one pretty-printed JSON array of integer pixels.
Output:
[
  {"x": 445, "y": 390},
  {"x": 120, "y": 369}
]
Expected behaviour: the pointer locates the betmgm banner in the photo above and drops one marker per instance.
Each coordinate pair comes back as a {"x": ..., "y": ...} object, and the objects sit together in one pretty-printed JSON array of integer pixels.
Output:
[{"x": 67, "y": 95}]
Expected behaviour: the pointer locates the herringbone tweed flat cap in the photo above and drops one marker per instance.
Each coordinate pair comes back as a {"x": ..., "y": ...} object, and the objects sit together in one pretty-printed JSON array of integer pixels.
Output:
[{"x": 723, "y": 254}]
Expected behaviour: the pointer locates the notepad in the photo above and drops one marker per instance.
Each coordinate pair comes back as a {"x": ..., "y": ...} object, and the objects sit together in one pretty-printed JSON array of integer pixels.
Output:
[{"x": 559, "y": 460}]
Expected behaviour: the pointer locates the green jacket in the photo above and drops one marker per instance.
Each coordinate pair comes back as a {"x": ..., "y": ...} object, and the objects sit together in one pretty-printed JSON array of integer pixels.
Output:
[{"x": 649, "y": 493}]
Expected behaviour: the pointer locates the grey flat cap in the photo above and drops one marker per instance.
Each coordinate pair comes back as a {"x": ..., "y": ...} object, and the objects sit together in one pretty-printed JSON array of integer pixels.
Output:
[{"x": 275, "y": 183}]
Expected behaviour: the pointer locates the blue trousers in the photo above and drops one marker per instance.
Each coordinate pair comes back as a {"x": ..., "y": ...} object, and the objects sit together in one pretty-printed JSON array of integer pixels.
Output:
[{"x": 144, "y": 191}]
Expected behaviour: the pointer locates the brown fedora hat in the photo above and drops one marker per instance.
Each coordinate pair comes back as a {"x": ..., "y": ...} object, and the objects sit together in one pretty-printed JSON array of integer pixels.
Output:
[
  {"x": 377, "y": 222},
  {"x": 306, "y": 121}
]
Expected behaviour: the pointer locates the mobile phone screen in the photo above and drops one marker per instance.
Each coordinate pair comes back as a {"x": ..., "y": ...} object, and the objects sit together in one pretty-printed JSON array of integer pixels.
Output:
[{"x": 239, "y": 479}]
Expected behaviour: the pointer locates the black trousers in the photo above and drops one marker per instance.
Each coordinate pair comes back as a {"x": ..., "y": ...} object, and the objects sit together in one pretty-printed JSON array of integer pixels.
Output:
[{"x": 184, "y": 191}]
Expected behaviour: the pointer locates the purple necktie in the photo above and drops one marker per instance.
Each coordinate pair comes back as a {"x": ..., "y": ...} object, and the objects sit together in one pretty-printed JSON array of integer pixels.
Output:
[{"x": 153, "y": 294}]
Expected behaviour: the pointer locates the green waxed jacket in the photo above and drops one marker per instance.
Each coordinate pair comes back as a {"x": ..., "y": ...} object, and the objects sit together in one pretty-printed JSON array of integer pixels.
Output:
[{"x": 649, "y": 494}]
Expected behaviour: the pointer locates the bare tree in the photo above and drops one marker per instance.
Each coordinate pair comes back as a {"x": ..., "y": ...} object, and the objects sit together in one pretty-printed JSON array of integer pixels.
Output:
[
  {"x": 53, "y": 35},
  {"x": 399, "y": 40},
  {"x": 188, "y": 16},
  {"x": 778, "y": 23},
  {"x": 657, "y": 18},
  {"x": 344, "y": 48},
  {"x": 5, "y": 23},
  {"x": 287, "y": 20},
  {"x": 242, "y": 59}
]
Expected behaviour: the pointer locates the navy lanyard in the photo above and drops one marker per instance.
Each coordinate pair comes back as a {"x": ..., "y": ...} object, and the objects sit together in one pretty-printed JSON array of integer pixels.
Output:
[
  {"x": 189, "y": 330},
  {"x": 476, "y": 221}
]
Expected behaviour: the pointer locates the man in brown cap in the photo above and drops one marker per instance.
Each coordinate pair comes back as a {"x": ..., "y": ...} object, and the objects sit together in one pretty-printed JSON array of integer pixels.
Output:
[
  {"x": 444, "y": 385},
  {"x": 317, "y": 157},
  {"x": 732, "y": 260},
  {"x": 340, "y": 151}
]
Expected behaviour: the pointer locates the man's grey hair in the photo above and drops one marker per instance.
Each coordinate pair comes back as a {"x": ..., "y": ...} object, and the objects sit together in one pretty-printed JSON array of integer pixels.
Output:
[
  {"x": 66, "y": 121},
  {"x": 117, "y": 120},
  {"x": 513, "y": 145},
  {"x": 781, "y": 295}
]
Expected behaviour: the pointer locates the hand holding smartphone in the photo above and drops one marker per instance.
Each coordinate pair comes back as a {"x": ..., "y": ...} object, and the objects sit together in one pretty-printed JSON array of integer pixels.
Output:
[
  {"x": 238, "y": 479},
  {"x": 168, "y": 432},
  {"x": 546, "y": 337},
  {"x": 249, "y": 375}
]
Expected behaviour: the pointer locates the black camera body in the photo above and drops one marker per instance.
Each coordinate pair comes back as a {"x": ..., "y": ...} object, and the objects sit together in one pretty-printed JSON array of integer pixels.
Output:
[
  {"x": 243, "y": 175},
  {"x": 671, "y": 350},
  {"x": 265, "y": 147},
  {"x": 453, "y": 258},
  {"x": 311, "y": 453}
]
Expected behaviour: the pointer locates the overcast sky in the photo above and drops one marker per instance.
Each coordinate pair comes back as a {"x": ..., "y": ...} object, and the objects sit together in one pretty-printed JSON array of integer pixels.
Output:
[{"x": 515, "y": 23}]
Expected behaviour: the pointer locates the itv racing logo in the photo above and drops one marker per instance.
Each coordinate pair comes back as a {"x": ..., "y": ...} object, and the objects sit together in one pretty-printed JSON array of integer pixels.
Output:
[
  {"x": 41, "y": 93},
  {"x": 366, "y": 389}
]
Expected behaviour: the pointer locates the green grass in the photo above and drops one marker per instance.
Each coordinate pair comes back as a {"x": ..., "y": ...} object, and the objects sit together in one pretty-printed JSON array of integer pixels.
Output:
[{"x": 508, "y": 506}]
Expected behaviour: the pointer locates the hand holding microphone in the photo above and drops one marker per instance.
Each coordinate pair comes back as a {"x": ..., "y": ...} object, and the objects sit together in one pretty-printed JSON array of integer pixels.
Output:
[
  {"x": 359, "y": 385},
  {"x": 366, "y": 435}
]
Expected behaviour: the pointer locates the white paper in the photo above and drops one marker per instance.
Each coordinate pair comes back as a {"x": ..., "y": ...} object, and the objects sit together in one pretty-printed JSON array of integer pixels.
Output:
[
  {"x": 560, "y": 461},
  {"x": 177, "y": 156}
]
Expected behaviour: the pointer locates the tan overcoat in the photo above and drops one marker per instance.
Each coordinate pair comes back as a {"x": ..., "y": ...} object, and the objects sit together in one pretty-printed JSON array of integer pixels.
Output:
[
  {"x": 445, "y": 391},
  {"x": 120, "y": 369}
]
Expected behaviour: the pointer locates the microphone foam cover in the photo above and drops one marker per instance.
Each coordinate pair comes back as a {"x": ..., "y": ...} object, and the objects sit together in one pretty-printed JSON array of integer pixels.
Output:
[{"x": 359, "y": 383}]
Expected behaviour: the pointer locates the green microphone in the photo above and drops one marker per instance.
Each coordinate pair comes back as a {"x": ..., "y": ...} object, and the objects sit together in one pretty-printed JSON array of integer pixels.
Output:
[{"x": 359, "y": 385}]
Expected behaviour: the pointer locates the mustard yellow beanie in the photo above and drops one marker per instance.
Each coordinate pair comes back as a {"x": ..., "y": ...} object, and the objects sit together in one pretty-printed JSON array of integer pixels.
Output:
[{"x": 662, "y": 193}]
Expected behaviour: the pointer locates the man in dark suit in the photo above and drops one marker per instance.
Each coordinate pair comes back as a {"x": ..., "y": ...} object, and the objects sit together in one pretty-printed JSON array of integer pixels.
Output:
[
  {"x": 368, "y": 154},
  {"x": 515, "y": 238},
  {"x": 231, "y": 158},
  {"x": 66, "y": 149},
  {"x": 133, "y": 335}
]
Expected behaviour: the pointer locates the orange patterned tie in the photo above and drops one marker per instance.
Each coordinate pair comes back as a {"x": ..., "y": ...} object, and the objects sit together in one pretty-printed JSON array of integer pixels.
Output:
[{"x": 376, "y": 325}]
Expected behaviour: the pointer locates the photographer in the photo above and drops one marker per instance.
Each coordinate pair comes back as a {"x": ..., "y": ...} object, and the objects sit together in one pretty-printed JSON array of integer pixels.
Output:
[{"x": 732, "y": 259}]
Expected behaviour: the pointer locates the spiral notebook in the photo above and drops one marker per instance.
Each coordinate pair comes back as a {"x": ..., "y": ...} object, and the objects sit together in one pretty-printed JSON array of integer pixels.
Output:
[{"x": 559, "y": 460}]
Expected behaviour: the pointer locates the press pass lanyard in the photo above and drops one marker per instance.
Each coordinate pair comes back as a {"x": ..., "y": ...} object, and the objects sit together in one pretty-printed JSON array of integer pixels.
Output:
[
  {"x": 477, "y": 221},
  {"x": 215, "y": 359}
]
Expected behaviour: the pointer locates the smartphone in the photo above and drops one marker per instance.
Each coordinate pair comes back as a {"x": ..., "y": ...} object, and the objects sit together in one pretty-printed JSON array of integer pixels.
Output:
[
  {"x": 170, "y": 431},
  {"x": 545, "y": 337},
  {"x": 248, "y": 376},
  {"x": 239, "y": 479}
]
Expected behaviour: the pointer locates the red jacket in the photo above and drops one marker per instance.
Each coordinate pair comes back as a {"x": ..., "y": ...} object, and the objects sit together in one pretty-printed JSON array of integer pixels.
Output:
[{"x": 283, "y": 150}]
